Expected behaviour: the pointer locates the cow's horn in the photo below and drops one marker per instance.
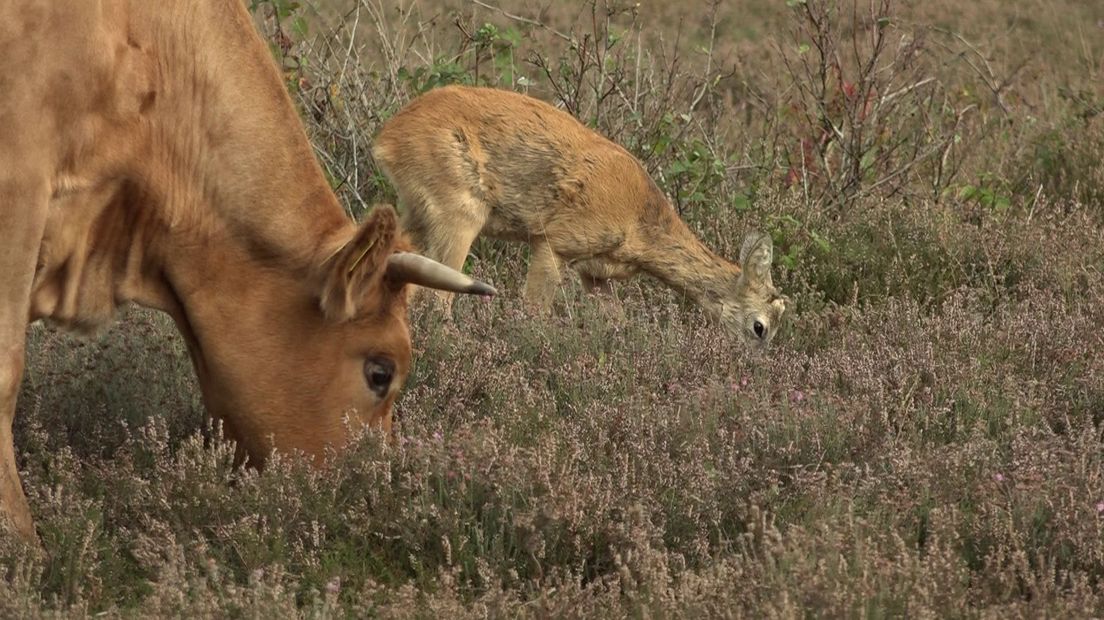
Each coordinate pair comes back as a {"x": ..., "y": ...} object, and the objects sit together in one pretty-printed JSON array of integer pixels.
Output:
[{"x": 417, "y": 269}]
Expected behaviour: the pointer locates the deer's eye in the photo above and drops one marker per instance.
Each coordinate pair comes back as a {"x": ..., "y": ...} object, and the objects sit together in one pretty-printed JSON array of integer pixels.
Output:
[{"x": 760, "y": 329}]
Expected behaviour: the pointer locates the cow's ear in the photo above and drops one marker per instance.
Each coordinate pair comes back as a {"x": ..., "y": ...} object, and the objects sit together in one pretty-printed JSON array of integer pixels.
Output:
[{"x": 356, "y": 269}]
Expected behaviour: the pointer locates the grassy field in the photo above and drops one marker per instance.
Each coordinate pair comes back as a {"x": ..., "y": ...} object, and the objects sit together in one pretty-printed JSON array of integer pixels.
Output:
[{"x": 924, "y": 439}]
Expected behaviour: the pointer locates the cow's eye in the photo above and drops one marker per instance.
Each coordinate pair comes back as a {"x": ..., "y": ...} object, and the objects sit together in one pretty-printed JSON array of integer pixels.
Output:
[{"x": 378, "y": 372}]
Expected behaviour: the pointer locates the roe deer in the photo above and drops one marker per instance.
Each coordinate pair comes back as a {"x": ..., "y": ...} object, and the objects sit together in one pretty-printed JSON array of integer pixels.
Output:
[{"x": 467, "y": 161}]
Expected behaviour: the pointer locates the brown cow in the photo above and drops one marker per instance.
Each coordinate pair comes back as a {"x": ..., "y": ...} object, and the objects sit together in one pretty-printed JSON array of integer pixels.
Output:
[{"x": 149, "y": 152}]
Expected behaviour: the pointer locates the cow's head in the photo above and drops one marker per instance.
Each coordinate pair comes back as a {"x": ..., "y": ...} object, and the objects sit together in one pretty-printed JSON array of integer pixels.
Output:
[{"x": 304, "y": 362}]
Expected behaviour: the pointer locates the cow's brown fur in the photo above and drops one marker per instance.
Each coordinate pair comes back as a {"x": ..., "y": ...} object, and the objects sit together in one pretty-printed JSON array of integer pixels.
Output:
[
  {"x": 468, "y": 161},
  {"x": 149, "y": 152}
]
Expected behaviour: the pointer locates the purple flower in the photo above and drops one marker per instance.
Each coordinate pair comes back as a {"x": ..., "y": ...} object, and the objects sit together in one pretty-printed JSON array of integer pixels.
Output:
[
  {"x": 797, "y": 396},
  {"x": 998, "y": 477},
  {"x": 1100, "y": 507}
]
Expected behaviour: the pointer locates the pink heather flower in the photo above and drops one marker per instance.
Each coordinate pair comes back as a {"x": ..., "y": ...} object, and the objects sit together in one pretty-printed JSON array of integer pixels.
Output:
[
  {"x": 437, "y": 435},
  {"x": 1100, "y": 507},
  {"x": 797, "y": 396},
  {"x": 998, "y": 477}
]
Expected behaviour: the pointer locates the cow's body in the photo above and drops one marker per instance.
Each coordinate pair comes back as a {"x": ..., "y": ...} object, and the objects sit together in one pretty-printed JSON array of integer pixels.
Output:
[{"x": 150, "y": 153}]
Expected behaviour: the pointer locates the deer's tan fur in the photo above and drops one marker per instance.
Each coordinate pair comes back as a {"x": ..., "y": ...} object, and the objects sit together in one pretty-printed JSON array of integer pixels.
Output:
[{"x": 468, "y": 161}]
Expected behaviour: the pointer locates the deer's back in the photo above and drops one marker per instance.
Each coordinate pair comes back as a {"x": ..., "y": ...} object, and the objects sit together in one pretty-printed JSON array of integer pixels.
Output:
[{"x": 533, "y": 167}]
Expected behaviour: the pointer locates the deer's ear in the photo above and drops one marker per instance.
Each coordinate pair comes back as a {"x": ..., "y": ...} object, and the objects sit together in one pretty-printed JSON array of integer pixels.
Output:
[
  {"x": 756, "y": 256},
  {"x": 356, "y": 270}
]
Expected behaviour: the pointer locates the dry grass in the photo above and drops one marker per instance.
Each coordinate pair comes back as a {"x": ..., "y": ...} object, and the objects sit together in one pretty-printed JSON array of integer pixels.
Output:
[{"x": 924, "y": 439}]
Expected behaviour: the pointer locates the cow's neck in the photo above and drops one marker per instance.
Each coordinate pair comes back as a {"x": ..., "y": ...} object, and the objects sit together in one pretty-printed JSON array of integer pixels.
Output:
[
  {"x": 216, "y": 159},
  {"x": 227, "y": 149}
]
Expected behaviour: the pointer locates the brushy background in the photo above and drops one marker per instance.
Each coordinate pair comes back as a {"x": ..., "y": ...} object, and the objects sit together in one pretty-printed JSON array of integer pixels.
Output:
[{"x": 924, "y": 438}]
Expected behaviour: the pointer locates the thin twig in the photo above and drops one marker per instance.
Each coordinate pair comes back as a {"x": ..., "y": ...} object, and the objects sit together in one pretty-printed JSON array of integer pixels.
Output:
[{"x": 525, "y": 20}]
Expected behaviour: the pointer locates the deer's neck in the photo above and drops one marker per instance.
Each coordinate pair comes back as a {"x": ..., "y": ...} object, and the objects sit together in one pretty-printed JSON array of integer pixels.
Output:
[{"x": 673, "y": 254}]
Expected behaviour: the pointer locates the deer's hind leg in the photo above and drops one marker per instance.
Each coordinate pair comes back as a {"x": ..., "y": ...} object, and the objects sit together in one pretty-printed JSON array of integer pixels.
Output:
[{"x": 544, "y": 275}]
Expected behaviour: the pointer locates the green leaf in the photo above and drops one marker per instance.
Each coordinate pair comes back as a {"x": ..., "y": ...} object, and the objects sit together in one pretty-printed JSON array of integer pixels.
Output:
[
  {"x": 678, "y": 168},
  {"x": 487, "y": 34},
  {"x": 613, "y": 37},
  {"x": 967, "y": 192},
  {"x": 511, "y": 36},
  {"x": 299, "y": 27},
  {"x": 821, "y": 242}
]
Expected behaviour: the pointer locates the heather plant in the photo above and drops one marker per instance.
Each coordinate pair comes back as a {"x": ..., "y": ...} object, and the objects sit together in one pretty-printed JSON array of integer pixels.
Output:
[{"x": 923, "y": 439}]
